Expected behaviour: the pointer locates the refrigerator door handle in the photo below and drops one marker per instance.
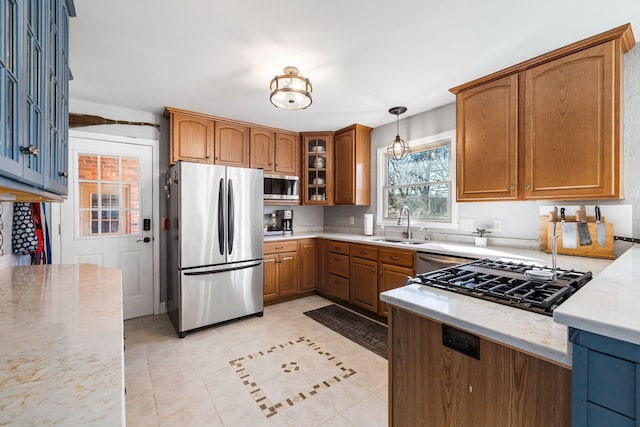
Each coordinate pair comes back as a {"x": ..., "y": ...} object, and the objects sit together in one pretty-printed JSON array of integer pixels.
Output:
[
  {"x": 221, "y": 217},
  {"x": 206, "y": 272},
  {"x": 231, "y": 214}
]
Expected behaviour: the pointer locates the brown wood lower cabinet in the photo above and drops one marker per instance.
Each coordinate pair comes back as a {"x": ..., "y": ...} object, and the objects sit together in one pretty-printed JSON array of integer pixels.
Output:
[
  {"x": 394, "y": 265},
  {"x": 364, "y": 276},
  {"x": 336, "y": 282},
  {"x": 390, "y": 277},
  {"x": 312, "y": 264},
  {"x": 433, "y": 385},
  {"x": 281, "y": 272}
]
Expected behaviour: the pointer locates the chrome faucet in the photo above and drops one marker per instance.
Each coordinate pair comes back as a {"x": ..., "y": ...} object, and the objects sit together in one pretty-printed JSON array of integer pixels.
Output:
[{"x": 407, "y": 233}]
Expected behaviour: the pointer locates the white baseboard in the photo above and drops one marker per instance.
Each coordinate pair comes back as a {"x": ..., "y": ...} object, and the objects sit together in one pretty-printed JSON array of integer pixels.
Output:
[{"x": 162, "y": 308}]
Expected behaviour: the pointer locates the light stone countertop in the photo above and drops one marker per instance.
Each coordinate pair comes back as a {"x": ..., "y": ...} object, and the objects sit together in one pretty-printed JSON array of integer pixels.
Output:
[
  {"x": 529, "y": 332},
  {"x": 609, "y": 304},
  {"x": 61, "y": 354}
]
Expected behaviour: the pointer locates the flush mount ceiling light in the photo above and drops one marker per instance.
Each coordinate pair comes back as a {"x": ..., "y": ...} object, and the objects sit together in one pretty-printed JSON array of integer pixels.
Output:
[
  {"x": 290, "y": 91},
  {"x": 399, "y": 148}
]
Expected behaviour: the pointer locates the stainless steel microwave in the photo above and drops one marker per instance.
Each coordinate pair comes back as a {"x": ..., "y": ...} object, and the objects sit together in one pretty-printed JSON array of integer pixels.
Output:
[{"x": 281, "y": 187}]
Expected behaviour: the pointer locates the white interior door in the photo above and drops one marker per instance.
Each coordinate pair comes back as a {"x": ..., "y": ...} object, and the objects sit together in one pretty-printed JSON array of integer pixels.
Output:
[{"x": 103, "y": 218}]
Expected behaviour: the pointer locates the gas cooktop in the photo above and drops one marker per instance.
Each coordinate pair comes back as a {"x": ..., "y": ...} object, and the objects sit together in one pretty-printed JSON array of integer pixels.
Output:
[{"x": 505, "y": 282}]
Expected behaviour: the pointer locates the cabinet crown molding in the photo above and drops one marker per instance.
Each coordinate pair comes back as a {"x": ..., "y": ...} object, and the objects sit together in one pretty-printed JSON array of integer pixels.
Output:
[{"x": 623, "y": 33}]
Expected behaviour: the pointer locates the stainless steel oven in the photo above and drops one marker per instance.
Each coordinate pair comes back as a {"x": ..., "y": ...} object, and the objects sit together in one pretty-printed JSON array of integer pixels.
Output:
[{"x": 281, "y": 187}]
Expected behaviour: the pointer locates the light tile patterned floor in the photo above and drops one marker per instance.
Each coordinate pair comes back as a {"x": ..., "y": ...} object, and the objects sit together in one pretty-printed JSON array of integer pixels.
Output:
[{"x": 283, "y": 369}]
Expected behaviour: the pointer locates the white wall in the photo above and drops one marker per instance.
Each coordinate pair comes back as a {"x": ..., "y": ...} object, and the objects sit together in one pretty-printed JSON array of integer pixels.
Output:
[
  {"x": 519, "y": 219},
  {"x": 6, "y": 257}
]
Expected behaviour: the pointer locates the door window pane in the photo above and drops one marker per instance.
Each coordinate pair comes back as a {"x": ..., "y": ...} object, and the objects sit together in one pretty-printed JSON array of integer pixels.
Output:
[{"x": 108, "y": 195}]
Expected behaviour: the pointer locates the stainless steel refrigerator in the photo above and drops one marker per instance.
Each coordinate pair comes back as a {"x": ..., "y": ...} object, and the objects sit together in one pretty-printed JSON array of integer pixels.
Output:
[{"x": 216, "y": 248}]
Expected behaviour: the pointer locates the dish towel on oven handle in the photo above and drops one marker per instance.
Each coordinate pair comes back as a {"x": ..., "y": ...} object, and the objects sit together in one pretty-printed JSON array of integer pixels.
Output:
[{"x": 25, "y": 240}]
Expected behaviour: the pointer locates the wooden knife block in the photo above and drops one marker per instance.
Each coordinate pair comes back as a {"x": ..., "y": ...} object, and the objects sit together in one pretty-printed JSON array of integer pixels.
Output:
[{"x": 593, "y": 250}]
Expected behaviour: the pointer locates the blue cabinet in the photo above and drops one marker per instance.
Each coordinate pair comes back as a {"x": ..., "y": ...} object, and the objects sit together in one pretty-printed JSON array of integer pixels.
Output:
[
  {"x": 34, "y": 73},
  {"x": 605, "y": 381}
]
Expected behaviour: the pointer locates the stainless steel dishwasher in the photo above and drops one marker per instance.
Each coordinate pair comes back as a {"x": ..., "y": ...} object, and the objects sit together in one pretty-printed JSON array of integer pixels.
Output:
[{"x": 427, "y": 261}]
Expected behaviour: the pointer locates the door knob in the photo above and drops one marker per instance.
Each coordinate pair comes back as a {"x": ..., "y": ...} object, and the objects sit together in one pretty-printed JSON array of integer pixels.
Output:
[{"x": 146, "y": 240}]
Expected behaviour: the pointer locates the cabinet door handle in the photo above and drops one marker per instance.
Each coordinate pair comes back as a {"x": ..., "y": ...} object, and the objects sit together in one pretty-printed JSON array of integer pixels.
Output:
[
  {"x": 381, "y": 272},
  {"x": 395, "y": 258},
  {"x": 30, "y": 151},
  {"x": 373, "y": 270},
  {"x": 512, "y": 187},
  {"x": 527, "y": 186}
]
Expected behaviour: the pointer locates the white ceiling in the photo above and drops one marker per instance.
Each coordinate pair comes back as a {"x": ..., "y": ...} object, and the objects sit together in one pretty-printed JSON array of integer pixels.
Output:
[{"x": 362, "y": 57}]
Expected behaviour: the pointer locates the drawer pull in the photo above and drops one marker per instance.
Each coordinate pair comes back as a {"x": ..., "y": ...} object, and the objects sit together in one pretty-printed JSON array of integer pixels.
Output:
[
  {"x": 363, "y": 252},
  {"x": 337, "y": 259},
  {"x": 395, "y": 258},
  {"x": 279, "y": 247},
  {"x": 337, "y": 248}
]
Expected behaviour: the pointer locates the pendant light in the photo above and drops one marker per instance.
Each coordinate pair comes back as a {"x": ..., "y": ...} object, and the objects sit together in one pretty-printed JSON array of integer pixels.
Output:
[
  {"x": 398, "y": 148},
  {"x": 290, "y": 91}
]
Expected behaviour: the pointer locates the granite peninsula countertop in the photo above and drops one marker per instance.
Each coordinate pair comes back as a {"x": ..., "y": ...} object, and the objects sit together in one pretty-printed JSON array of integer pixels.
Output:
[
  {"x": 529, "y": 332},
  {"x": 61, "y": 353}
]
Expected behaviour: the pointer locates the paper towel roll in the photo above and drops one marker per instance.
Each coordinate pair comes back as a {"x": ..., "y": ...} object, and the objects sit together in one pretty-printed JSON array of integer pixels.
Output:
[{"x": 368, "y": 224}]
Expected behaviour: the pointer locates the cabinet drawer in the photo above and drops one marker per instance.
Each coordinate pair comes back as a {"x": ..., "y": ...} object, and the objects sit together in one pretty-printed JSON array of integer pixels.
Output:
[
  {"x": 338, "y": 286},
  {"x": 338, "y": 247},
  {"x": 612, "y": 383},
  {"x": 364, "y": 251},
  {"x": 396, "y": 257},
  {"x": 597, "y": 416},
  {"x": 277, "y": 247},
  {"x": 338, "y": 264}
]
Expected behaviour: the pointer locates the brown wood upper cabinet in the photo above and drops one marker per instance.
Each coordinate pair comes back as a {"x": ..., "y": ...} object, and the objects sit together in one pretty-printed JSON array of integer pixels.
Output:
[
  {"x": 352, "y": 166},
  {"x": 192, "y": 137},
  {"x": 487, "y": 122},
  {"x": 274, "y": 152},
  {"x": 317, "y": 168},
  {"x": 548, "y": 128},
  {"x": 231, "y": 144},
  {"x": 287, "y": 154},
  {"x": 261, "y": 149}
]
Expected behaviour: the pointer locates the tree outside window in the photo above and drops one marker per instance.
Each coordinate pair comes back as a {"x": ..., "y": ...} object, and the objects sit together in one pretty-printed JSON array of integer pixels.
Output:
[{"x": 421, "y": 181}]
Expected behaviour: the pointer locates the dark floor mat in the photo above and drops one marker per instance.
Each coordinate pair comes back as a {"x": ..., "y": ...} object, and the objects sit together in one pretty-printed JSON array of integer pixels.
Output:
[{"x": 369, "y": 334}]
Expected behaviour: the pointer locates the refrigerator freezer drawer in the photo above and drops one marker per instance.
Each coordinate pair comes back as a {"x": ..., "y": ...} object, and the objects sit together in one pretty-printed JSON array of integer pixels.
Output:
[{"x": 212, "y": 298}]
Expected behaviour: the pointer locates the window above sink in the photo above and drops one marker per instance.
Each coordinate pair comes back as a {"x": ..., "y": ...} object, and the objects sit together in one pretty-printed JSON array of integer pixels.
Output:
[{"x": 424, "y": 181}]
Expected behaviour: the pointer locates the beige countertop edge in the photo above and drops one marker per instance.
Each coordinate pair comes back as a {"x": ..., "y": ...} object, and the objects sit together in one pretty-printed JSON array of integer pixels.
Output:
[
  {"x": 62, "y": 358},
  {"x": 609, "y": 304},
  {"x": 531, "y": 333},
  {"x": 594, "y": 265}
]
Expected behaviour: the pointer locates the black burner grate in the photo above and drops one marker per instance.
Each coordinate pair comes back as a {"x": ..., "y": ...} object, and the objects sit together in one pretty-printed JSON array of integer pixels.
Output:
[{"x": 504, "y": 282}]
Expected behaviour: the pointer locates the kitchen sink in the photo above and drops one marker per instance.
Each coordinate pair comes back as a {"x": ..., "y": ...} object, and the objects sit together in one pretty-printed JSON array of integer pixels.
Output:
[{"x": 401, "y": 241}]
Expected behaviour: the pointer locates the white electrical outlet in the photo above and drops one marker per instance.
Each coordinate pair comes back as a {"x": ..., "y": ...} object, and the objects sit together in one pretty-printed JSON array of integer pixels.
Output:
[
  {"x": 497, "y": 225},
  {"x": 467, "y": 224},
  {"x": 352, "y": 220}
]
